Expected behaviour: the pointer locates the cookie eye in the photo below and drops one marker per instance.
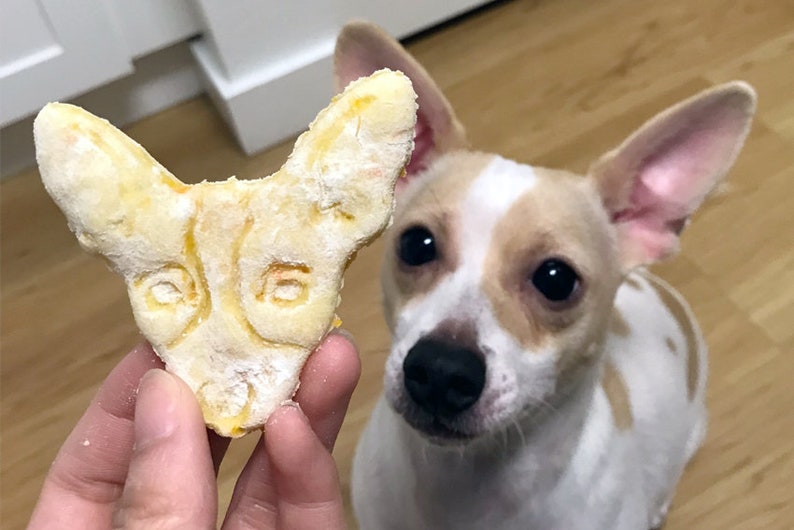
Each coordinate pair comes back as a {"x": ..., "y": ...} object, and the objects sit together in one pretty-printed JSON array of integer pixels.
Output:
[
  {"x": 417, "y": 246},
  {"x": 555, "y": 280},
  {"x": 285, "y": 284},
  {"x": 166, "y": 293},
  {"x": 167, "y": 287}
]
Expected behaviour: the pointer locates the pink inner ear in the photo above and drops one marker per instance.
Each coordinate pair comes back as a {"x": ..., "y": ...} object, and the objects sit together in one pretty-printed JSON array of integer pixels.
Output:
[
  {"x": 652, "y": 222},
  {"x": 685, "y": 170},
  {"x": 424, "y": 144},
  {"x": 650, "y": 243},
  {"x": 659, "y": 208},
  {"x": 672, "y": 183}
]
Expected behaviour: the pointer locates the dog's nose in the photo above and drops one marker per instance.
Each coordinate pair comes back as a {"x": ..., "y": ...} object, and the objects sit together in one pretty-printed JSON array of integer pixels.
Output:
[{"x": 443, "y": 379}]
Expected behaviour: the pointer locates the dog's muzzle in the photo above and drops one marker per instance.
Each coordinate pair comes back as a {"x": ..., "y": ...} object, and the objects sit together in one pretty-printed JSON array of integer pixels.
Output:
[{"x": 443, "y": 379}]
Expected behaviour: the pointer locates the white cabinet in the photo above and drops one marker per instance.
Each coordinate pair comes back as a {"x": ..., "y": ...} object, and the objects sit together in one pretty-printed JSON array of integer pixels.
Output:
[
  {"x": 121, "y": 59},
  {"x": 52, "y": 49},
  {"x": 268, "y": 63}
]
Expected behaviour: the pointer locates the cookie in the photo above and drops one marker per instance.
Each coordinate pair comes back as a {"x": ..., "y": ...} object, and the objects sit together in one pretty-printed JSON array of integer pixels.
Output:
[{"x": 235, "y": 283}]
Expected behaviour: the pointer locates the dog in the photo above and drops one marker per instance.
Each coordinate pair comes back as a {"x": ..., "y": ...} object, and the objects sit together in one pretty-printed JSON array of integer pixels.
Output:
[{"x": 539, "y": 375}]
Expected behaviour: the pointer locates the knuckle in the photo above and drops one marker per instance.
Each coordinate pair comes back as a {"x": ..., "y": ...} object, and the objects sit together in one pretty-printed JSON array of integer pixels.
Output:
[
  {"x": 153, "y": 513},
  {"x": 251, "y": 513}
]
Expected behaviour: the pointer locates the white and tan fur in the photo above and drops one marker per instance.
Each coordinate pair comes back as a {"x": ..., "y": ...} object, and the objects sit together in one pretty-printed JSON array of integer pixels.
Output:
[{"x": 589, "y": 410}]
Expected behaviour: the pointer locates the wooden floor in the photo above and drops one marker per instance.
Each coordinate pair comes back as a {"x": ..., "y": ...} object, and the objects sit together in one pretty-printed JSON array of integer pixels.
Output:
[{"x": 547, "y": 82}]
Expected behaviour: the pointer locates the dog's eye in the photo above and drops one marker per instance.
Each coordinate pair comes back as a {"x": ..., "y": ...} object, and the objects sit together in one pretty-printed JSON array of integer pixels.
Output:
[
  {"x": 417, "y": 246},
  {"x": 555, "y": 280}
]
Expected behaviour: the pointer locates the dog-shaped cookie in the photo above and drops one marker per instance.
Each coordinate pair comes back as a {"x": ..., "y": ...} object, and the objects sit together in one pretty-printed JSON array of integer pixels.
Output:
[{"x": 234, "y": 283}]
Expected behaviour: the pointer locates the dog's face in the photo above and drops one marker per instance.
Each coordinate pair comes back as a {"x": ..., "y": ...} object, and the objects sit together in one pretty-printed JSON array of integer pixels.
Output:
[
  {"x": 499, "y": 278},
  {"x": 510, "y": 292}
]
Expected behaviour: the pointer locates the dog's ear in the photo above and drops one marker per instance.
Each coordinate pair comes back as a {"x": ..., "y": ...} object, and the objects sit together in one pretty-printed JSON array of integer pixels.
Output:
[
  {"x": 114, "y": 194},
  {"x": 654, "y": 181},
  {"x": 363, "y": 48}
]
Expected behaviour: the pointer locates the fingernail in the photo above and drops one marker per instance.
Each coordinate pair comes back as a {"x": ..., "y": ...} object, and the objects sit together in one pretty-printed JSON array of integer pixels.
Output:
[
  {"x": 345, "y": 334},
  {"x": 284, "y": 411},
  {"x": 155, "y": 410}
]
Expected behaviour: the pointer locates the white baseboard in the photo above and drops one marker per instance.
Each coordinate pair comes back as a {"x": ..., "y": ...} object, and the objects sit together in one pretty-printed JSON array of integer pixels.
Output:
[
  {"x": 161, "y": 80},
  {"x": 270, "y": 82},
  {"x": 278, "y": 101}
]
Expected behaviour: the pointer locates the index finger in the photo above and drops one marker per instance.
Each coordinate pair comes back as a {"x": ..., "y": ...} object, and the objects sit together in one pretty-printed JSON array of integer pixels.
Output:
[
  {"x": 327, "y": 382},
  {"x": 89, "y": 471}
]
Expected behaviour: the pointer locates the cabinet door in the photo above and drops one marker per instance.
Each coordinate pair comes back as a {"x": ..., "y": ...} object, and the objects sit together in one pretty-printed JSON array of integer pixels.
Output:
[{"x": 55, "y": 50}]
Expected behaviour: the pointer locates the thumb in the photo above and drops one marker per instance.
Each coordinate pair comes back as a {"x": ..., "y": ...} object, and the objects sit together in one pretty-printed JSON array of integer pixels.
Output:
[{"x": 171, "y": 482}]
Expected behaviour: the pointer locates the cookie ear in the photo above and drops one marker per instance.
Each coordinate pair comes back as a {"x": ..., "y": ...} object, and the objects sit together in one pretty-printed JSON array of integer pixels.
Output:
[
  {"x": 113, "y": 193},
  {"x": 354, "y": 152},
  {"x": 363, "y": 48},
  {"x": 653, "y": 182}
]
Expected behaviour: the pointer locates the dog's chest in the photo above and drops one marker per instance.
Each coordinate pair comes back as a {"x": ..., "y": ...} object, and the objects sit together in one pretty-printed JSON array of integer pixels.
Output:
[{"x": 477, "y": 493}]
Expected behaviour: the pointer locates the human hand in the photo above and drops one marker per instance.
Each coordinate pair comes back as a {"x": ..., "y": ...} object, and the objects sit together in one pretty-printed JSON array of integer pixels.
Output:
[{"x": 141, "y": 457}]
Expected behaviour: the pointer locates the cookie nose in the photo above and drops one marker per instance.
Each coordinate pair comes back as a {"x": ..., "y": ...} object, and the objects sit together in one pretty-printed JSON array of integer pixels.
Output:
[{"x": 443, "y": 379}]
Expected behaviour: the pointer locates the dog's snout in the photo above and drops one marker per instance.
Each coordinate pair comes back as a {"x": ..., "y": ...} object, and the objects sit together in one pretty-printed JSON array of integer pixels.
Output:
[{"x": 443, "y": 379}]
